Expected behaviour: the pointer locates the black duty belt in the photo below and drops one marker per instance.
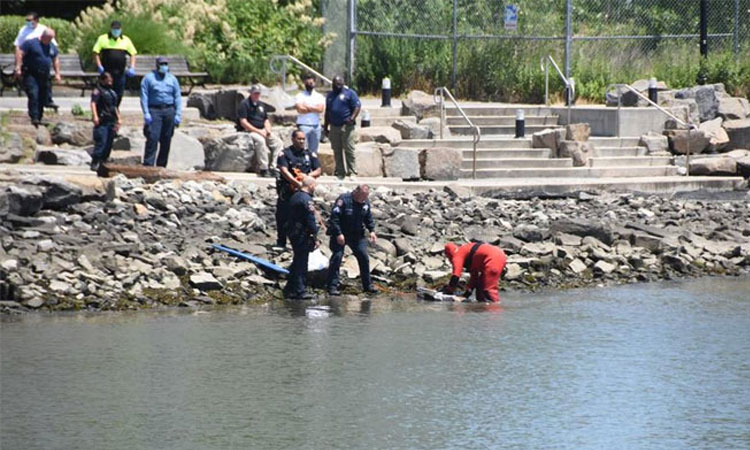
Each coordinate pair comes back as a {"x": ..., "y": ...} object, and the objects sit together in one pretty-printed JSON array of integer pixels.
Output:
[
  {"x": 160, "y": 106},
  {"x": 472, "y": 252}
]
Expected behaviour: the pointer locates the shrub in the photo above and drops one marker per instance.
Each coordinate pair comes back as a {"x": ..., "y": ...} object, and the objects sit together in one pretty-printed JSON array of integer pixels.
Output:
[{"x": 9, "y": 26}]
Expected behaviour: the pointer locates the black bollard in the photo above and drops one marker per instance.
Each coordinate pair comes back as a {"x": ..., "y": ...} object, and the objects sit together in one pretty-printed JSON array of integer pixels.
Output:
[
  {"x": 520, "y": 124},
  {"x": 386, "y": 93},
  {"x": 653, "y": 92},
  {"x": 365, "y": 119}
]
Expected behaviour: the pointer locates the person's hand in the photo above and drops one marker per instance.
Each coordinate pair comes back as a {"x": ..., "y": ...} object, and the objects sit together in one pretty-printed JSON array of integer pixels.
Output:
[
  {"x": 349, "y": 121},
  {"x": 96, "y": 121},
  {"x": 447, "y": 289},
  {"x": 130, "y": 72},
  {"x": 17, "y": 72},
  {"x": 325, "y": 132},
  {"x": 373, "y": 237},
  {"x": 340, "y": 239},
  {"x": 148, "y": 120},
  {"x": 177, "y": 121},
  {"x": 117, "y": 126},
  {"x": 58, "y": 77},
  {"x": 100, "y": 69},
  {"x": 317, "y": 243}
]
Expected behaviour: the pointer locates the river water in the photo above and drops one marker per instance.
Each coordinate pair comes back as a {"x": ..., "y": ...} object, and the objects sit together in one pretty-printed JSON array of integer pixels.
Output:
[{"x": 649, "y": 366}]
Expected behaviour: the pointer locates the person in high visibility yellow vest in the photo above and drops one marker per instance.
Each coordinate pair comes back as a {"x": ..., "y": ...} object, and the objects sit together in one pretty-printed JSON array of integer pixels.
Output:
[{"x": 110, "y": 55}]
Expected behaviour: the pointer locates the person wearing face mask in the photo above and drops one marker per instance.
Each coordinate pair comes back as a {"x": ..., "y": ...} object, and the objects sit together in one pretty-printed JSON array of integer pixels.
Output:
[
  {"x": 111, "y": 51},
  {"x": 35, "y": 59},
  {"x": 309, "y": 105},
  {"x": 33, "y": 30},
  {"x": 106, "y": 118},
  {"x": 342, "y": 108},
  {"x": 161, "y": 103}
]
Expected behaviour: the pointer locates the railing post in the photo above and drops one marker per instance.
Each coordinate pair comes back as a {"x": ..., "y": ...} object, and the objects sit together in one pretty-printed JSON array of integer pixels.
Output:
[
  {"x": 351, "y": 35},
  {"x": 687, "y": 158},
  {"x": 568, "y": 35},
  {"x": 546, "y": 81},
  {"x": 736, "y": 28},
  {"x": 455, "y": 45},
  {"x": 474, "y": 155},
  {"x": 619, "y": 104},
  {"x": 442, "y": 112},
  {"x": 283, "y": 74}
]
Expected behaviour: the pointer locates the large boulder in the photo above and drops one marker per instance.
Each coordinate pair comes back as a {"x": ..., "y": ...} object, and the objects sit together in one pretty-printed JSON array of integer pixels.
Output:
[
  {"x": 734, "y": 108},
  {"x": 11, "y": 148},
  {"x": 579, "y": 152},
  {"x": 63, "y": 156},
  {"x": 233, "y": 153},
  {"x": 73, "y": 134},
  {"x": 43, "y": 136},
  {"x": 206, "y": 104},
  {"x": 420, "y": 104},
  {"x": 686, "y": 110},
  {"x": 440, "y": 163},
  {"x": 681, "y": 140},
  {"x": 277, "y": 98},
  {"x": 550, "y": 138},
  {"x": 402, "y": 163},
  {"x": 577, "y": 132},
  {"x": 739, "y": 133},
  {"x": 59, "y": 194},
  {"x": 410, "y": 130},
  {"x": 583, "y": 228},
  {"x": 706, "y": 97},
  {"x": 385, "y": 135},
  {"x": 433, "y": 124},
  {"x": 370, "y": 158},
  {"x": 227, "y": 103},
  {"x": 655, "y": 143},
  {"x": 20, "y": 200},
  {"x": 186, "y": 153},
  {"x": 713, "y": 166},
  {"x": 717, "y": 136},
  {"x": 630, "y": 99}
]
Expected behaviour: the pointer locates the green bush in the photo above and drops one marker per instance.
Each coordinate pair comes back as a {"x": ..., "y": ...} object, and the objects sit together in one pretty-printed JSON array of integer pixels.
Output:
[
  {"x": 9, "y": 26},
  {"x": 149, "y": 37}
]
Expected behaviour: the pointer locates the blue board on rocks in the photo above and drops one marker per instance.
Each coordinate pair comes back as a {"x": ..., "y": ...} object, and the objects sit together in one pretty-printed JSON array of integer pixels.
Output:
[{"x": 260, "y": 262}]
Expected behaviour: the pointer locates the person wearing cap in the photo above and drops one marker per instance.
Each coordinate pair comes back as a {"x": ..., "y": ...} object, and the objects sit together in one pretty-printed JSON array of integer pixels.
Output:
[
  {"x": 309, "y": 105},
  {"x": 161, "y": 102},
  {"x": 252, "y": 118},
  {"x": 33, "y": 30},
  {"x": 342, "y": 108},
  {"x": 486, "y": 265},
  {"x": 110, "y": 55},
  {"x": 34, "y": 60}
]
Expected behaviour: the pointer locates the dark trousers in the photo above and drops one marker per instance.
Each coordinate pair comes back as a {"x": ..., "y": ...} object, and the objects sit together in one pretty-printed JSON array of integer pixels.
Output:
[
  {"x": 359, "y": 248},
  {"x": 104, "y": 135},
  {"x": 159, "y": 132},
  {"x": 282, "y": 215},
  {"x": 297, "y": 280},
  {"x": 37, "y": 90},
  {"x": 118, "y": 85},
  {"x": 49, "y": 94}
]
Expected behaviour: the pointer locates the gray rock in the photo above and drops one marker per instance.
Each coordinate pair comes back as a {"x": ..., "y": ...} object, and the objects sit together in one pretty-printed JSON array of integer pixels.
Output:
[
  {"x": 410, "y": 226},
  {"x": 743, "y": 166},
  {"x": 402, "y": 163},
  {"x": 205, "y": 102},
  {"x": 186, "y": 152},
  {"x": 370, "y": 158},
  {"x": 686, "y": 110},
  {"x": 155, "y": 200},
  {"x": 579, "y": 152},
  {"x": 403, "y": 246},
  {"x": 577, "y": 266},
  {"x": 441, "y": 163},
  {"x": 510, "y": 244},
  {"x": 583, "y": 228},
  {"x": 514, "y": 272},
  {"x": 176, "y": 264},
  {"x": 529, "y": 233},
  {"x": 227, "y": 102},
  {"x": 655, "y": 143},
  {"x": 550, "y": 138},
  {"x": 734, "y": 108},
  {"x": 385, "y": 135},
  {"x": 630, "y": 99},
  {"x": 34, "y": 303},
  {"x": 713, "y": 166},
  {"x": 59, "y": 194},
  {"x": 739, "y": 133},
  {"x": 278, "y": 98},
  {"x": 43, "y": 136},
  {"x": 233, "y": 153},
  {"x": 567, "y": 239},
  {"x": 74, "y": 134},
  {"x": 63, "y": 156},
  {"x": 716, "y": 134},
  {"x": 433, "y": 124},
  {"x": 386, "y": 247},
  {"x": 205, "y": 282},
  {"x": 705, "y": 96},
  {"x": 645, "y": 240},
  {"x": 11, "y": 148},
  {"x": 419, "y": 104},
  {"x": 682, "y": 140},
  {"x": 410, "y": 130},
  {"x": 604, "y": 267},
  {"x": 21, "y": 201},
  {"x": 577, "y": 132}
]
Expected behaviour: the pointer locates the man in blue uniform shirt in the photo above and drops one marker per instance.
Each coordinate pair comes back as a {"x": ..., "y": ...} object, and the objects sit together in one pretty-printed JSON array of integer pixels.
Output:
[
  {"x": 302, "y": 229},
  {"x": 293, "y": 161},
  {"x": 161, "y": 102},
  {"x": 342, "y": 108},
  {"x": 350, "y": 216},
  {"x": 34, "y": 60}
]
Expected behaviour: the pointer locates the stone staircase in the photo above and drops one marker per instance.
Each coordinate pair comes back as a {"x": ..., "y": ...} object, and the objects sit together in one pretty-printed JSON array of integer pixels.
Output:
[{"x": 499, "y": 121}]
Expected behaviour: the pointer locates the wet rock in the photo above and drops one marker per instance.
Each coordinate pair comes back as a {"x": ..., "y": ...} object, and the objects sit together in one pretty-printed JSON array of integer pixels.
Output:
[{"x": 204, "y": 281}]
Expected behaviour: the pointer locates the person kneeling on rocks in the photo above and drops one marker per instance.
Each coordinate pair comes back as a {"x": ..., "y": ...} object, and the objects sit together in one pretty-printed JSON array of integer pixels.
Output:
[
  {"x": 350, "y": 216},
  {"x": 106, "y": 117},
  {"x": 302, "y": 229},
  {"x": 485, "y": 263}
]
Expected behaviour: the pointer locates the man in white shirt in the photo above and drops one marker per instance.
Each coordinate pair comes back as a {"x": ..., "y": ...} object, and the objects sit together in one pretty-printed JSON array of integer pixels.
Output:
[
  {"x": 34, "y": 30},
  {"x": 310, "y": 105}
]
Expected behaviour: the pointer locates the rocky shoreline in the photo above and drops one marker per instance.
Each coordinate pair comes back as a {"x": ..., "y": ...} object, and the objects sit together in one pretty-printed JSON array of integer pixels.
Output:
[{"x": 132, "y": 245}]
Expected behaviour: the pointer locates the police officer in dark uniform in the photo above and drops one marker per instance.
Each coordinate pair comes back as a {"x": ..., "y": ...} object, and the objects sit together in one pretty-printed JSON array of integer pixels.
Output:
[
  {"x": 302, "y": 229},
  {"x": 293, "y": 161},
  {"x": 350, "y": 216}
]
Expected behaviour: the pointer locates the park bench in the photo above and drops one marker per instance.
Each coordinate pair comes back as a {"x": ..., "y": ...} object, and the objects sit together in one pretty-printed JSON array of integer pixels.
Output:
[
  {"x": 70, "y": 68},
  {"x": 178, "y": 66}
]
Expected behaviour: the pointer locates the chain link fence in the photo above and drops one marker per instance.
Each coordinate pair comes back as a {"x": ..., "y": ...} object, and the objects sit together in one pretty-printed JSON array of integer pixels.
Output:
[{"x": 490, "y": 49}]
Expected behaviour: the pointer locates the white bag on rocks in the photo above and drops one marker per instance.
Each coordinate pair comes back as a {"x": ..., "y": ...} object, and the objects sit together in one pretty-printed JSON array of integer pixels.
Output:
[{"x": 317, "y": 261}]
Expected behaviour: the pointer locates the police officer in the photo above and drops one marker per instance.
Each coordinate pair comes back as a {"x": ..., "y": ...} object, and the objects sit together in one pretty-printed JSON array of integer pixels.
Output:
[
  {"x": 161, "y": 102},
  {"x": 34, "y": 60},
  {"x": 302, "y": 229},
  {"x": 110, "y": 54},
  {"x": 252, "y": 118},
  {"x": 342, "y": 108},
  {"x": 350, "y": 216},
  {"x": 34, "y": 30},
  {"x": 293, "y": 161}
]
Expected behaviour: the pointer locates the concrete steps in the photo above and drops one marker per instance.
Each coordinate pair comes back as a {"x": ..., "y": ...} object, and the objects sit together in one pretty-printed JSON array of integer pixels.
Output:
[
  {"x": 501, "y": 130},
  {"x": 482, "y": 121},
  {"x": 574, "y": 172},
  {"x": 388, "y": 121},
  {"x": 491, "y": 110},
  {"x": 611, "y": 152},
  {"x": 509, "y": 153},
  {"x": 517, "y": 163},
  {"x": 630, "y": 161},
  {"x": 494, "y": 143}
]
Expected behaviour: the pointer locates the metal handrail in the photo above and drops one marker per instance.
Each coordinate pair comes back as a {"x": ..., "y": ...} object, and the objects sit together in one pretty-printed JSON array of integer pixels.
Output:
[
  {"x": 275, "y": 59},
  {"x": 690, "y": 126},
  {"x": 440, "y": 93},
  {"x": 570, "y": 85}
]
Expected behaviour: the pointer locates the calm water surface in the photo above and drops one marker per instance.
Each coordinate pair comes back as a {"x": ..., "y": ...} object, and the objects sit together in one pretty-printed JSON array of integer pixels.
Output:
[{"x": 648, "y": 366}]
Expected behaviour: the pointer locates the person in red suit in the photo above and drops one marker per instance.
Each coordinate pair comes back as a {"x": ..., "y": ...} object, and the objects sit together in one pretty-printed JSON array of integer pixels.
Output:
[{"x": 485, "y": 263}]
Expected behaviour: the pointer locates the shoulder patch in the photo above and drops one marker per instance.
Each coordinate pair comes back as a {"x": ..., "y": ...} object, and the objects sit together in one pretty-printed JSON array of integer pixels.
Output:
[
  {"x": 311, "y": 207},
  {"x": 339, "y": 202}
]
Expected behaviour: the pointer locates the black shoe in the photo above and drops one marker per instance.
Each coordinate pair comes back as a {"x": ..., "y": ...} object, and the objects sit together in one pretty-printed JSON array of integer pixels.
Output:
[
  {"x": 263, "y": 174},
  {"x": 372, "y": 290},
  {"x": 95, "y": 166},
  {"x": 305, "y": 296},
  {"x": 334, "y": 292},
  {"x": 36, "y": 122},
  {"x": 52, "y": 105}
]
